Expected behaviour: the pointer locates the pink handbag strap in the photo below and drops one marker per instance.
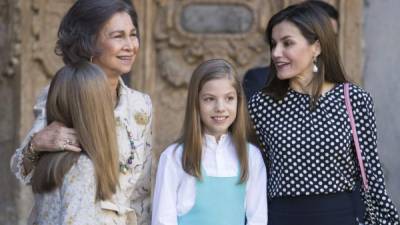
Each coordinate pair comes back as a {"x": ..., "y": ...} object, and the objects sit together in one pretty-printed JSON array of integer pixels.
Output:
[{"x": 355, "y": 136}]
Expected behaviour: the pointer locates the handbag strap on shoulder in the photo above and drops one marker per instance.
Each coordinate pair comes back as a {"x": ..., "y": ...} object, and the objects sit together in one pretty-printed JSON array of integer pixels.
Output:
[{"x": 355, "y": 136}]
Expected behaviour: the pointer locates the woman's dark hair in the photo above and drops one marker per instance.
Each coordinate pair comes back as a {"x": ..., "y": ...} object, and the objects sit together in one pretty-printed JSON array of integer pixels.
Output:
[
  {"x": 79, "y": 28},
  {"x": 314, "y": 25},
  {"x": 328, "y": 9}
]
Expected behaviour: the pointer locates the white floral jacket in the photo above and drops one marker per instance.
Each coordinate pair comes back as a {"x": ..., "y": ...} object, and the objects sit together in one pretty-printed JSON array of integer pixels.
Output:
[{"x": 131, "y": 204}]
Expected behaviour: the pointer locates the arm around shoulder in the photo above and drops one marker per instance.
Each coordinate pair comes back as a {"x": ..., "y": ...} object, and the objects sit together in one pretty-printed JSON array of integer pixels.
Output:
[{"x": 17, "y": 160}]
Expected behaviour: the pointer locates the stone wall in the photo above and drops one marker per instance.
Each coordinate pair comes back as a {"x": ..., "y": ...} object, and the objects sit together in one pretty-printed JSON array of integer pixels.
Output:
[{"x": 9, "y": 70}]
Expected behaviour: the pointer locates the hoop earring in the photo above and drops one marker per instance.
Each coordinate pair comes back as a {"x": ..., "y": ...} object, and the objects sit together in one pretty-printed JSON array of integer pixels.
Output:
[
  {"x": 91, "y": 59},
  {"x": 315, "y": 67}
]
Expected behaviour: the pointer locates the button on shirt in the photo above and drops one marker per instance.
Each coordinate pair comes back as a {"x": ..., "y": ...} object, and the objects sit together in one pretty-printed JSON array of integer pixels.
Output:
[{"x": 175, "y": 190}]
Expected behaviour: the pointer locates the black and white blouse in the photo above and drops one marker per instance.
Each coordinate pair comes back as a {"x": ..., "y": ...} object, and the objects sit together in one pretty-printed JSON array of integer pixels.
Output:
[{"x": 311, "y": 152}]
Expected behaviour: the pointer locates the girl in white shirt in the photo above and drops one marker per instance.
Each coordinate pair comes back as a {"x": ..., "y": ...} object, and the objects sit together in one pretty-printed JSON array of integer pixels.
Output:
[{"x": 212, "y": 175}]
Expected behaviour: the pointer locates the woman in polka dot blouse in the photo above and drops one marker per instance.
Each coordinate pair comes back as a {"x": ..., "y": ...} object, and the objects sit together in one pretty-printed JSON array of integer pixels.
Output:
[{"x": 302, "y": 125}]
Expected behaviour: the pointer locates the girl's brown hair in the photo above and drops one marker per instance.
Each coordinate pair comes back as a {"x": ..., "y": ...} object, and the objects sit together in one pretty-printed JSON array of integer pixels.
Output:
[
  {"x": 80, "y": 98},
  {"x": 192, "y": 132},
  {"x": 314, "y": 25}
]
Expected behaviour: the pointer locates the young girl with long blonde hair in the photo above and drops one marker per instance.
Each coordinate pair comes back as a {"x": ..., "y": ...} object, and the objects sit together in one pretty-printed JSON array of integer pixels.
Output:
[
  {"x": 69, "y": 186},
  {"x": 212, "y": 175}
]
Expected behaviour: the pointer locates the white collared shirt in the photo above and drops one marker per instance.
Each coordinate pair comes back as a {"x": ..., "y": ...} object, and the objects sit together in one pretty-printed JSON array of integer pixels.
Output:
[{"x": 175, "y": 193}]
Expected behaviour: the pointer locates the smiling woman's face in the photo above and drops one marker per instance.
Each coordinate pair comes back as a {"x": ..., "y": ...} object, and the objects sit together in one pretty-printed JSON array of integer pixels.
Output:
[
  {"x": 118, "y": 44},
  {"x": 291, "y": 53}
]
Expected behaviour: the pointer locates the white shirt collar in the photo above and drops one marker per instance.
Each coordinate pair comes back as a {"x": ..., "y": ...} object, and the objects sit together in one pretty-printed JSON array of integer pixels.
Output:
[{"x": 211, "y": 142}]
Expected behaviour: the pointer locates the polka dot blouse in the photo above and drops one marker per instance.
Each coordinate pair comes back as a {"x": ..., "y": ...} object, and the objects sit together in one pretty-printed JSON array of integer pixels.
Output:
[{"x": 311, "y": 152}]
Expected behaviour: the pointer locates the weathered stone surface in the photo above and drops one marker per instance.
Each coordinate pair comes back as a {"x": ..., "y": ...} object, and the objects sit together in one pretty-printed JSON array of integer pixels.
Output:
[
  {"x": 9, "y": 63},
  {"x": 212, "y": 18},
  {"x": 4, "y": 35},
  {"x": 8, "y": 184}
]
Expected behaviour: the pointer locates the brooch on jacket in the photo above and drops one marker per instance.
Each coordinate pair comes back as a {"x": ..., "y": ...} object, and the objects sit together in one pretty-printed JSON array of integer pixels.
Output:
[{"x": 141, "y": 118}]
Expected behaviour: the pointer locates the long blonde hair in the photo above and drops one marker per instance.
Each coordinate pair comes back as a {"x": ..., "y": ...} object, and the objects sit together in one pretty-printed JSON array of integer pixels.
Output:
[
  {"x": 192, "y": 132},
  {"x": 80, "y": 98}
]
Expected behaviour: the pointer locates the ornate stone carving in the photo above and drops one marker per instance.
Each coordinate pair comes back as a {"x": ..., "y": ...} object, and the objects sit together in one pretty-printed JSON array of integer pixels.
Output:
[
  {"x": 10, "y": 43},
  {"x": 179, "y": 51},
  {"x": 4, "y": 34},
  {"x": 212, "y": 18},
  {"x": 47, "y": 15}
]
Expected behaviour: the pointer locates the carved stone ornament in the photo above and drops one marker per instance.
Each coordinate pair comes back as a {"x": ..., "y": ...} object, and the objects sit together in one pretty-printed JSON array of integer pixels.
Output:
[
  {"x": 10, "y": 43},
  {"x": 188, "y": 32},
  {"x": 47, "y": 15}
]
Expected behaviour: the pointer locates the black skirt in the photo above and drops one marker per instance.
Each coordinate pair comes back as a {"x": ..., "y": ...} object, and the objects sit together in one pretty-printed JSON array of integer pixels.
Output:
[{"x": 332, "y": 209}]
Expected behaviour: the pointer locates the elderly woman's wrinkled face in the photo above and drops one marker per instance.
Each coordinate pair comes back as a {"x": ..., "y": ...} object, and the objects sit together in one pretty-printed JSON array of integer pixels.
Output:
[
  {"x": 291, "y": 53},
  {"x": 118, "y": 44}
]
